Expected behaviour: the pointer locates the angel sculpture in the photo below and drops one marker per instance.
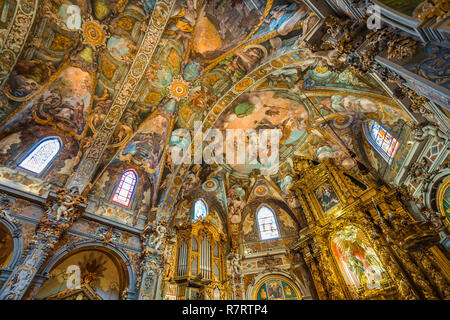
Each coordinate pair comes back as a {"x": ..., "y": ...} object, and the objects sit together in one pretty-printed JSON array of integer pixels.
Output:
[
  {"x": 66, "y": 206},
  {"x": 67, "y": 202},
  {"x": 237, "y": 204},
  {"x": 161, "y": 231},
  {"x": 235, "y": 263}
]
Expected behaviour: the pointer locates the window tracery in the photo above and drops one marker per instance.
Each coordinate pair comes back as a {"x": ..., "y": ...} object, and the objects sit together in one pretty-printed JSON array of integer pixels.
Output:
[
  {"x": 125, "y": 188},
  {"x": 381, "y": 140},
  {"x": 268, "y": 228},
  {"x": 41, "y": 155},
  {"x": 200, "y": 210}
]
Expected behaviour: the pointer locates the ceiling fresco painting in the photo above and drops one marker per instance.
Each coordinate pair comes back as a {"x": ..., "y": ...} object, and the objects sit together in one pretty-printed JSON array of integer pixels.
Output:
[
  {"x": 256, "y": 111},
  {"x": 68, "y": 81},
  {"x": 177, "y": 83},
  {"x": 305, "y": 127},
  {"x": 7, "y": 11}
]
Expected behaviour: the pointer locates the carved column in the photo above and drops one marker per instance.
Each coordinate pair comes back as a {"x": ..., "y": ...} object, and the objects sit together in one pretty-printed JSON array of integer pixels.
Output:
[
  {"x": 306, "y": 208},
  {"x": 64, "y": 209},
  {"x": 433, "y": 272},
  {"x": 236, "y": 279},
  {"x": 404, "y": 286},
  {"x": 150, "y": 276},
  {"x": 392, "y": 232},
  {"x": 315, "y": 274},
  {"x": 157, "y": 252},
  {"x": 22, "y": 276},
  {"x": 329, "y": 274}
]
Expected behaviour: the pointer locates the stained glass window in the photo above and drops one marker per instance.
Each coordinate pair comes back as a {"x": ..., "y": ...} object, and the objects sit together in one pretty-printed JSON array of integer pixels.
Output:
[
  {"x": 41, "y": 155},
  {"x": 125, "y": 189},
  {"x": 200, "y": 209},
  {"x": 386, "y": 143},
  {"x": 267, "y": 224}
]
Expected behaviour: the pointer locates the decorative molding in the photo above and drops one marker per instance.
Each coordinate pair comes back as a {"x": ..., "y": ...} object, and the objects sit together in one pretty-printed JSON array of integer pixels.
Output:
[
  {"x": 16, "y": 37},
  {"x": 92, "y": 156}
]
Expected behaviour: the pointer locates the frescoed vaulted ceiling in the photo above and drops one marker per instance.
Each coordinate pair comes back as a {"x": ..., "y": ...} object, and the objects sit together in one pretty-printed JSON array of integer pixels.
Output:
[{"x": 230, "y": 64}]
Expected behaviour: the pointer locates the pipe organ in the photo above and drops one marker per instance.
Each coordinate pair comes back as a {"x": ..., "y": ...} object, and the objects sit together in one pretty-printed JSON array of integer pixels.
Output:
[
  {"x": 200, "y": 262},
  {"x": 200, "y": 255},
  {"x": 183, "y": 257},
  {"x": 205, "y": 259}
]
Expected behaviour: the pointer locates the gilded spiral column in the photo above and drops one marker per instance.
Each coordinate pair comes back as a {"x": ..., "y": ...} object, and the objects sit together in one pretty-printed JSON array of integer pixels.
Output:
[
  {"x": 330, "y": 276},
  {"x": 414, "y": 272},
  {"x": 405, "y": 288},
  {"x": 316, "y": 275}
]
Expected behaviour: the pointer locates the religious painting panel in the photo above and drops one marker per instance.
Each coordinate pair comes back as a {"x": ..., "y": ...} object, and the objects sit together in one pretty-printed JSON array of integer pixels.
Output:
[
  {"x": 222, "y": 25},
  {"x": 276, "y": 288},
  {"x": 326, "y": 196},
  {"x": 265, "y": 110},
  {"x": 147, "y": 147},
  {"x": 359, "y": 264},
  {"x": 65, "y": 104}
]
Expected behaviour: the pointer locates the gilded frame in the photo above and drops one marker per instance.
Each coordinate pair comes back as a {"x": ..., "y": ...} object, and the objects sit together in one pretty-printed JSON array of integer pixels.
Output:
[{"x": 440, "y": 197}]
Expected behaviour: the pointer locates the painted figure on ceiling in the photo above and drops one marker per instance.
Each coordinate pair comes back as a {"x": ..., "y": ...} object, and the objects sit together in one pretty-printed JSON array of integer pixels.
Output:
[
  {"x": 28, "y": 76},
  {"x": 221, "y": 26},
  {"x": 284, "y": 18},
  {"x": 71, "y": 15},
  {"x": 146, "y": 147},
  {"x": 64, "y": 105}
]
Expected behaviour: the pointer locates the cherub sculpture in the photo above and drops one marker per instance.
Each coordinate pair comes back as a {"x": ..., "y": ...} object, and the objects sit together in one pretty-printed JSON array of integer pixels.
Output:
[
  {"x": 67, "y": 202},
  {"x": 236, "y": 204},
  {"x": 235, "y": 262},
  {"x": 161, "y": 231}
]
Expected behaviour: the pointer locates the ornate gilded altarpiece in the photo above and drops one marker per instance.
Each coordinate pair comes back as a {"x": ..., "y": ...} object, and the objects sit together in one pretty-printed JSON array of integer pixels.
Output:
[{"x": 354, "y": 244}]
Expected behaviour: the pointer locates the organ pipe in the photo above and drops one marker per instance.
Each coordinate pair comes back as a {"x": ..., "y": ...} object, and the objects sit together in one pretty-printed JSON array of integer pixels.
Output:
[
  {"x": 183, "y": 256},
  {"x": 208, "y": 253}
]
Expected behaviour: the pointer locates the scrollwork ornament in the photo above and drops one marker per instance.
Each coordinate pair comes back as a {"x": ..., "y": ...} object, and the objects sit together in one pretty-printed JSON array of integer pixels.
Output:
[
  {"x": 12, "y": 43},
  {"x": 5, "y": 212},
  {"x": 161, "y": 13}
]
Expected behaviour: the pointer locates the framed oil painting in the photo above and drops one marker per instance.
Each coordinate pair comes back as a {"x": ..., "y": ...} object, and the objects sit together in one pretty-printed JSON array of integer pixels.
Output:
[{"x": 326, "y": 196}]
